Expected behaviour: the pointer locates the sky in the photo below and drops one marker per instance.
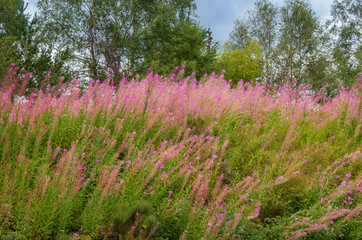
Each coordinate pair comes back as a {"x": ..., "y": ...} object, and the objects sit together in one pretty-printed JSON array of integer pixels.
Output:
[{"x": 219, "y": 15}]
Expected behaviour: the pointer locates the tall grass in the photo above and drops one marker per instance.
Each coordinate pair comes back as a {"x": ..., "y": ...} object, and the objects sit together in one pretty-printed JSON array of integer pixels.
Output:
[{"x": 185, "y": 159}]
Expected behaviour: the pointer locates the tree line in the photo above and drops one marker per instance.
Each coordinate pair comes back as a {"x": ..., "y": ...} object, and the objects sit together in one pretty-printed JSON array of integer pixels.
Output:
[
  {"x": 289, "y": 43},
  {"x": 98, "y": 38},
  {"x": 122, "y": 38}
]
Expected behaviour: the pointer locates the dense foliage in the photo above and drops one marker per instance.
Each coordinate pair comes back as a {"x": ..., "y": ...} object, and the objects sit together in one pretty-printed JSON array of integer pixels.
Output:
[
  {"x": 21, "y": 43},
  {"x": 242, "y": 63},
  {"x": 166, "y": 159}
]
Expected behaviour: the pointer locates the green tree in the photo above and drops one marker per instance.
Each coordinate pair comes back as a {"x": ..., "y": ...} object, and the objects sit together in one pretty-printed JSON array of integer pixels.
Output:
[
  {"x": 240, "y": 34},
  {"x": 260, "y": 24},
  {"x": 242, "y": 63},
  {"x": 263, "y": 22},
  {"x": 346, "y": 25},
  {"x": 169, "y": 43},
  {"x": 304, "y": 48},
  {"x": 72, "y": 24},
  {"x": 122, "y": 37},
  {"x": 11, "y": 24},
  {"x": 298, "y": 38},
  {"x": 20, "y": 42}
]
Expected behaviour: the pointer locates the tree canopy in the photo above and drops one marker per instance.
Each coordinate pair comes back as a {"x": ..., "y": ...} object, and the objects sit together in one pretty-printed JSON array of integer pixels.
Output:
[{"x": 123, "y": 38}]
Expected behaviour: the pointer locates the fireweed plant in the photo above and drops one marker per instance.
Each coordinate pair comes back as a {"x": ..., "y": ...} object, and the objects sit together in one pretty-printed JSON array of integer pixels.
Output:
[{"x": 176, "y": 158}]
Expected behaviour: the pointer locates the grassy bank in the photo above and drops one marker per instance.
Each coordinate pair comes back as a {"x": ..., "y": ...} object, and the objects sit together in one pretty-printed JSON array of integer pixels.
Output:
[{"x": 160, "y": 159}]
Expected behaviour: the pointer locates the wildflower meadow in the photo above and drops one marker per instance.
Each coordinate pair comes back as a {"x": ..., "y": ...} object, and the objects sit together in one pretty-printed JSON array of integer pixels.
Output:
[{"x": 177, "y": 157}]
